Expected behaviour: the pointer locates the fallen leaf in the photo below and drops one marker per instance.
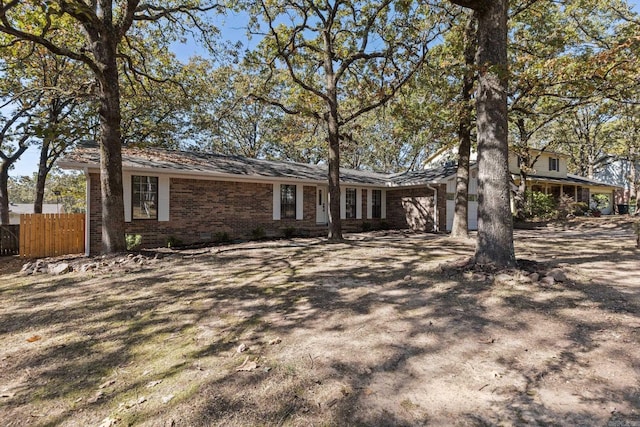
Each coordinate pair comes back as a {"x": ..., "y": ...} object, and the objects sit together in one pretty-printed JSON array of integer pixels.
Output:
[
  {"x": 107, "y": 384},
  {"x": 34, "y": 338},
  {"x": 247, "y": 365},
  {"x": 167, "y": 399},
  {"x": 153, "y": 383},
  {"x": 108, "y": 422},
  {"x": 276, "y": 340},
  {"x": 242, "y": 347},
  {"x": 96, "y": 397}
]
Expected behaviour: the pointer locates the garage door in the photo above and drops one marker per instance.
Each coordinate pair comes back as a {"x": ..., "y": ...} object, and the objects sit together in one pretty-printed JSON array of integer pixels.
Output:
[{"x": 472, "y": 217}]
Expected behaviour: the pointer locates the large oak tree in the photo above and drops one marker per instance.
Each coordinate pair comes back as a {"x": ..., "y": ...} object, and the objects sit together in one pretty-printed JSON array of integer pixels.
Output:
[
  {"x": 105, "y": 26},
  {"x": 495, "y": 222},
  {"x": 341, "y": 59}
]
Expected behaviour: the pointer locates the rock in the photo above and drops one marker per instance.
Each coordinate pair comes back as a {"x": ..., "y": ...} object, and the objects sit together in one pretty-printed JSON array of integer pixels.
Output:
[
  {"x": 108, "y": 422},
  {"x": 557, "y": 274},
  {"x": 547, "y": 280},
  {"x": 534, "y": 277},
  {"x": 58, "y": 269},
  {"x": 88, "y": 267},
  {"x": 478, "y": 277},
  {"x": 407, "y": 278},
  {"x": 40, "y": 266},
  {"x": 503, "y": 279}
]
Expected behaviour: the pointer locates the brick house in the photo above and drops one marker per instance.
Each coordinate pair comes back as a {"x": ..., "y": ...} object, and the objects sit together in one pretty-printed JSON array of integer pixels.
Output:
[{"x": 195, "y": 197}]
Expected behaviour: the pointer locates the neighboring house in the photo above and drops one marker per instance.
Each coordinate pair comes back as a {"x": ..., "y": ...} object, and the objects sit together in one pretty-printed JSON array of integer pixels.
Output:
[
  {"x": 550, "y": 177},
  {"x": 196, "y": 197},
  {"x": 621, "y": 173},
  {"x": 16, "y": 209}
]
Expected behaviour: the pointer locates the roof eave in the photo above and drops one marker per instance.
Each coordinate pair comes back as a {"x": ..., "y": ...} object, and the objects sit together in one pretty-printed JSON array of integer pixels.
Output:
[{"x": 212, "y": 175}]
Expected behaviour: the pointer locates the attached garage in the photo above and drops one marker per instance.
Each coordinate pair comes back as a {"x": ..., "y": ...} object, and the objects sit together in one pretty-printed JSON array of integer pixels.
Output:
[{"x": 473, "y": 199}]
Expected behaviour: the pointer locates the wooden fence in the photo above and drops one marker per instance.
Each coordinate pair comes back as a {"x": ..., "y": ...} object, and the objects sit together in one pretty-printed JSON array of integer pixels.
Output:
[
  {"x": 9, "y": 239},
  {"x": 45, "y": 235}
]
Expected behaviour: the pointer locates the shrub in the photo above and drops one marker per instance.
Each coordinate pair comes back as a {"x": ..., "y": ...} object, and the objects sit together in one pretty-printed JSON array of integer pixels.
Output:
[
  {"x": 580, "y": 208},
  {"x": 384, "y": 225},
  {"x": 133, "y": 241},
  {"x": 172, "y": 242},
  {"x": 600, "y": 201},
  {"x": 565, "y": 207},
  {"x": 367, "y": 226},
  {"x": 540, "y": 205},
  {"x": 221, "y": 237},
  {"x": 258, "y": 233},
  {"x": 289, "y": 232}
]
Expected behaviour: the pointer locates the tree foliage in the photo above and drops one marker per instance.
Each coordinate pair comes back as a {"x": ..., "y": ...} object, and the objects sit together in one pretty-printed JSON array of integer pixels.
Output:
[
  {"x": 109, "y": 41},
  {"x": 336, "y": 61}
]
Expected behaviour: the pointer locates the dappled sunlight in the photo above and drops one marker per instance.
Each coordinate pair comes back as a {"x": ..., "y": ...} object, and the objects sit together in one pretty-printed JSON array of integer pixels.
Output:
[{"x": 370, "y": 330}]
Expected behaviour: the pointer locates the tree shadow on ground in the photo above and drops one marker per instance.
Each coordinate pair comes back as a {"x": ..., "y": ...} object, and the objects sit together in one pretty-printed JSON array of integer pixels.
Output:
[{"x": 370, "y": 332}]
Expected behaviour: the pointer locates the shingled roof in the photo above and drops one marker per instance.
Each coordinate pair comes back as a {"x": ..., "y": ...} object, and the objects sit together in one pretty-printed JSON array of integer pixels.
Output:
[
  {"x": 195, "y": 163},
  {"x": 571, "y": 179}
]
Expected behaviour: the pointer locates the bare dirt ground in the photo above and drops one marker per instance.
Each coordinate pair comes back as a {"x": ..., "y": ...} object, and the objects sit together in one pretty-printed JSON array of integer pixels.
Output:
[{"x": 383, "y": 329}]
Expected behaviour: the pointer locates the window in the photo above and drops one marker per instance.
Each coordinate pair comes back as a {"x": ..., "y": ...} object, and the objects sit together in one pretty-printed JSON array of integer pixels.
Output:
[
  {"x": 554, "y": 164},
  {"x": 144, "y": 197},
  {"x": 287, "y": 201},
  {"x": 376, "y": 203},
  {"x": 350, "y": 203}
]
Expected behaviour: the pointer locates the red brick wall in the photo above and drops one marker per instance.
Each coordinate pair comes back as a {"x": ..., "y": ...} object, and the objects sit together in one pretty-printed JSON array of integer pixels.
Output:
[
  {"x": 412, "y": 208},
  {"x": 201, "y": 210}
]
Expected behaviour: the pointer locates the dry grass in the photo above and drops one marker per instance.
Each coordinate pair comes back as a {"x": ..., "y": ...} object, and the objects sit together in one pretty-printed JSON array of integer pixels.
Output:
[{"x": 366, "y": 332}]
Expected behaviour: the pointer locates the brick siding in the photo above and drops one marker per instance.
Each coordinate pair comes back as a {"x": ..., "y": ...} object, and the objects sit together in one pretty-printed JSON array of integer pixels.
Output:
[
  {"x": 412, "y": 208},
  {"x": 202, "y": 210}
]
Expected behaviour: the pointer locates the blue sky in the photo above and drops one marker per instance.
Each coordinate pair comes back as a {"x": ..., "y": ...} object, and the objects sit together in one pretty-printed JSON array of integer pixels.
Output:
[{"x": 233, "y": 30}]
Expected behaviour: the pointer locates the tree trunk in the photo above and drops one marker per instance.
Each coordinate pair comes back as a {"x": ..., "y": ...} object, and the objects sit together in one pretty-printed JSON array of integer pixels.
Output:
[
  {"x": 333, "y": 131},
  {"x": 335, "y": 223},
  {"x": 113, "y": 239},
  {"x": 42, "y": 176},
  {"x": 4, "y": 192},
  {"x": 520, "y": 198},
  {"x": 5, "y": 165},
  {"x": 460, "y": 227},
  {"x": 495, "y": 221}
]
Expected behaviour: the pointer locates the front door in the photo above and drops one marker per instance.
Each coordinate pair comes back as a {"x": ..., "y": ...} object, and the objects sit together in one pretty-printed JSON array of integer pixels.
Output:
[{"x": 321, "y": 205}]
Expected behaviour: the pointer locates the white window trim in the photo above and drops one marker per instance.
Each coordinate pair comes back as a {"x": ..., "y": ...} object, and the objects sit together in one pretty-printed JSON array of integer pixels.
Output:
[
  {"x": 277, "y": 214},
  {"x": 358, "y": 203},
  {"x": 276, "y": 201},
  {"x": 164, "y": 183},
  {"x": 299, "y": 202},
  {"x": 369, "y": 203},
  {"x": 126, "y": 188},
  {"x": 164, "y": 195},
  {"x": 383, "y": 202}
]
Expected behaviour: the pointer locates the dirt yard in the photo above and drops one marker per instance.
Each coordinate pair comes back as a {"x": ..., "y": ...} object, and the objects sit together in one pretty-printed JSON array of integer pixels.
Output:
[{"x": 383, "y": 329}]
